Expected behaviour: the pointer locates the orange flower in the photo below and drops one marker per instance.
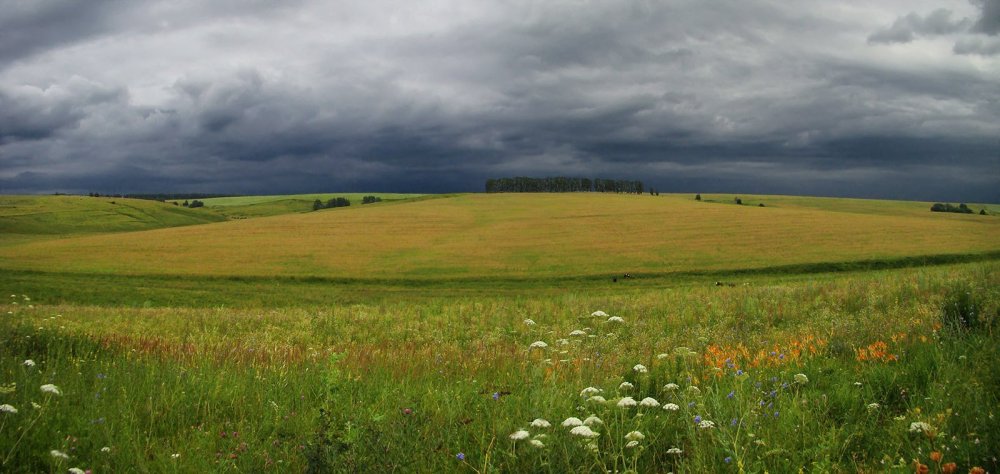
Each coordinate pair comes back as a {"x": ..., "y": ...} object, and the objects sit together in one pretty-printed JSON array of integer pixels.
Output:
[
  {"x": 949, "y": 468},
  {"x": 922, "y": 468},
  {"x": 936, "y": 456},
  {"x": 977, "y": 470}
]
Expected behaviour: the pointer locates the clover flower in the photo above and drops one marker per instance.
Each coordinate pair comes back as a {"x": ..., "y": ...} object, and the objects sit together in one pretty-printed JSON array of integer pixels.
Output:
[
  {"x": 801, "y": 379},
  {"x": 593, "y": 420},
  {"x": 49, "y": 388},
  {"x": 519, "y": 435},
  {"x": 640, "y": 368},
  {"x": 589, "y": 391},
  {"x": 5, "y": 408},
  {"x": 572, "y": 421},
  {"x": 584, "y": 432},
  {"x": 671, "y": 407},
  {"x": 538, "y": 345},
  {"x": 649, "y": 402},
  {"x": 540, "y": 423},
  {"x": 626, "y": 402}
]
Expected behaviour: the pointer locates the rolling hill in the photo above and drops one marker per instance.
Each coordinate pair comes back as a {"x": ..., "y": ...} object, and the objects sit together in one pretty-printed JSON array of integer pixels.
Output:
[{"x": 524, "y": 235}]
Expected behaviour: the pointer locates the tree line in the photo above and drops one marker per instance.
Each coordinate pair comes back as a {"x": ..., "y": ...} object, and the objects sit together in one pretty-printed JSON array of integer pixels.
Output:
[{"x": 560, "y": 184}]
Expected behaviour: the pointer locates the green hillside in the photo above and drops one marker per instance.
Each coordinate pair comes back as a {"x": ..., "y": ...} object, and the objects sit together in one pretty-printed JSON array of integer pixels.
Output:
[
  {"x": 241, "y": 207},
  {"x": 27, "y": 218}
]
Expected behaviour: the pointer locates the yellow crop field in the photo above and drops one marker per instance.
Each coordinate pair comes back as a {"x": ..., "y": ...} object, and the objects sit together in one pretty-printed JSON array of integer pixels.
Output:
[{"x": 521, "y": 235}]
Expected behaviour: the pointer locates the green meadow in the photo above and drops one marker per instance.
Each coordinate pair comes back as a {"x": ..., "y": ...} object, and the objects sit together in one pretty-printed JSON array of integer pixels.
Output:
[{"x": 498, "y": 333}]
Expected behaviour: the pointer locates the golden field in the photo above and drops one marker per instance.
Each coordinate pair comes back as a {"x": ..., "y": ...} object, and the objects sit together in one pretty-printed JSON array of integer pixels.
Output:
[{"x": 526, "y": 235}]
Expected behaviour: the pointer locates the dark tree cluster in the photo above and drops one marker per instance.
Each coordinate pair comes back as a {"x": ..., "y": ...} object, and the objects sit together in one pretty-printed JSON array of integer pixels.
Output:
[
  {"x": 560, "y": 184},
  {"x": 193, "y": 204},
  {"x": 370, "y": 199},
  {"x": 332, "y": 203},
  {"x": 943, "y": 207}
]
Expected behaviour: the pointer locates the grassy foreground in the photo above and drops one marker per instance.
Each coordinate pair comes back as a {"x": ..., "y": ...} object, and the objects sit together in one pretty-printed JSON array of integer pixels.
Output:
[{"x": 859, "y": 372}]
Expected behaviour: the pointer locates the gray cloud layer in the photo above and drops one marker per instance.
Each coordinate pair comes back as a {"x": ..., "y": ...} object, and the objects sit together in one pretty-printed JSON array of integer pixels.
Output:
[{"x": 896, "y": 100}]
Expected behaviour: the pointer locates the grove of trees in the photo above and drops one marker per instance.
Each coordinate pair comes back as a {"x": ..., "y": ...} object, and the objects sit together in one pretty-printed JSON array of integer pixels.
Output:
[{"x": 560, "y": 184}]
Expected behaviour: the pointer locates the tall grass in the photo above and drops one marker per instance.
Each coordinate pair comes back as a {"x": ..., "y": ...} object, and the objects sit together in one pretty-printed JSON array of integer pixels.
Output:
[{"x": 441, "y": 384}]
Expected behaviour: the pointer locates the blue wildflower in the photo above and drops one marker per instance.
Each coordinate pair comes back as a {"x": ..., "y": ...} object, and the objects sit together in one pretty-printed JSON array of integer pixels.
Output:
[
  {"x": 460, "y": 456},
  {"x": 697, "y": 418},
  {"x": 731, "y": 395}
]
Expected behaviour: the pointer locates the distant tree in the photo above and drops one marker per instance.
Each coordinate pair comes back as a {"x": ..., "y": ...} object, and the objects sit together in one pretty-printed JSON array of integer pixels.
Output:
[
  {"x": 760, "y": 205},
  {"x": 739, "y": 201},
  {"x": 186, "y": 204},
  {"x": 982, "y": 212},
  {"x": 370, "y": 199},
  {"x": 317, "y": 205},
  {"x": 697, "y": 197},
  {"x": 196, "y": 203},
  {"x": 946, "y": 207}
]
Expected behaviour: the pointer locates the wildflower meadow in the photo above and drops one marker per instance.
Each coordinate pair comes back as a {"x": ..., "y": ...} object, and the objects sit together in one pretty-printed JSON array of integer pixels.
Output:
[{"x": 888, "y": 371}]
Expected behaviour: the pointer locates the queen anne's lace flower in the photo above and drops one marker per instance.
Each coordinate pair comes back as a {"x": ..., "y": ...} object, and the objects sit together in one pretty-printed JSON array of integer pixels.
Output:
[
  {"x": 640, "y": 368},
  {"x": 537, "y": 443},
  {"x": 593, "y": 420},
  {"x": 801, "y": 379},
  {"x": 920, "y": 427},
  {"x": 589, "y": 391},
  {"x": 577, "y": 333},
  {"x": 529, "y": 322},
  {"x": 58, "y": 454},
  {"x": 670, "y": 387},
  {"x": 540, "y": 423},
  {"x": 538, "y": 345},
  {"x": 584, "y": 431},
  {"x": 519, "y": 435},
  {"x": 599, "y": 314},
  {"x": 615, "y": 319},
  {"x": 5, "y": 408},
  {"x": 674, "y": 451},
  {"x": 706, "y": 424},
  {"x": 572, "y": 421},
  {"x": 671, "y": 407},
  {"x": 49, "y": 388},
  {"x": 649, "y": 402},
  {"x": 635, "y": 436},
  {"x": 626, "y": 386},
  {"x": 597, "y": 399},
  {"x": 626, "y": 402},
  {"x": 631, "y": 444},
  {"x": 29, "y": 363}
]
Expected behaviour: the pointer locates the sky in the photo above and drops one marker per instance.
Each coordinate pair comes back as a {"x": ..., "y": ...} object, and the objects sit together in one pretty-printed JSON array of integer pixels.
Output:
[{"x": 888, "y": 99}]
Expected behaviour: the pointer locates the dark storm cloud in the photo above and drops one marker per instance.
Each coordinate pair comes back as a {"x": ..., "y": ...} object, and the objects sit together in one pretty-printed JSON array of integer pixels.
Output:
[
  {"x": 989, "y": 22},
  {"x": 439, "y": 95}
]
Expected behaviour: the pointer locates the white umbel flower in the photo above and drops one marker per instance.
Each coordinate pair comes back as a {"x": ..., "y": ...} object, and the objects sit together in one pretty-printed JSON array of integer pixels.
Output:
[
  {"x": 920, "y": 427},
  {"x": 529, "y": 322},
  {"x": 538, "y": 345},
  {"x": 572, "y": 421},
  {"x": 801, "y": 379},
  {"x": 706, "y": 424},
  {"x": 626, "y": 402},
  {"x": 662, "y": 356},
  {"x": 671, "y": 407},
  {"x": 58, "y": 454},
  {"x": 589, "y": 391},
  {"x": 584, "y": 432},
  {"x": 649, "y": 402},
  {"x": 616, "y": 319},
  {"x": 577, "y": 333},
  {"x": 674, "y": 451},
  {"x": 5, "y": 408},
  {"x": 635, "y": 436},
  {"x": 597, "y": 399},
  {"x": 631, "y": 444},
  {"x": 49, "y": 388},
  {"x": 537, "y": 443},
  {"x": 593, "y": 420},
  {"x": 519, "y": 435},
  {"x": 540, "y": 423},
  {"x": 106, "y": 449},
  {"x": 670, "y": 387},
  {"x": 75, "y": 470},
  {"x": 29, "y": 363},
  {"x": 626, "y": 386},
  {"x": 599, "y": 314},
  {"x": 640, "y": 368}
]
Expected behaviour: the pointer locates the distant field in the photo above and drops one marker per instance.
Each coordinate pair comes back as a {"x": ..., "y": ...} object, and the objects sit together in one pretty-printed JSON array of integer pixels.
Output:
[
  {"x": 862, "y": 206},
  {"x": 261, "y": 206},
  {"x": 23, "y": 218},
  {"x": 526, "y": 235}
]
